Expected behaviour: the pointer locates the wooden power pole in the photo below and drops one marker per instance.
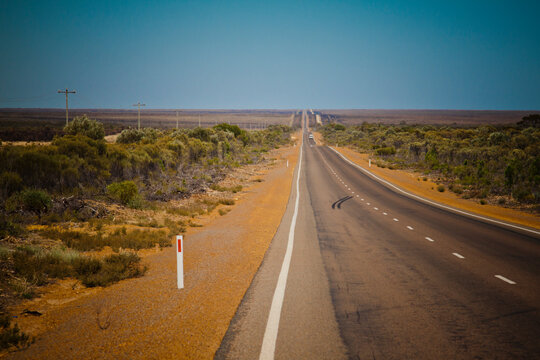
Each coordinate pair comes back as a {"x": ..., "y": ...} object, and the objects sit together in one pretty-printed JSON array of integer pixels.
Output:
[
  {"x": 138, "y": 105},
  {"x": 66, "y": 92}
]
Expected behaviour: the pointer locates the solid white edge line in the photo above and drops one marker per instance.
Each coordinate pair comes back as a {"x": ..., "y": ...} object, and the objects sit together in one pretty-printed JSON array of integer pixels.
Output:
[
  {"x": 458, "y": 255},
  {"x": 433, "y": 202},
  {"x": 505, "y": 279},
  {"x": 268, "y": 347}
]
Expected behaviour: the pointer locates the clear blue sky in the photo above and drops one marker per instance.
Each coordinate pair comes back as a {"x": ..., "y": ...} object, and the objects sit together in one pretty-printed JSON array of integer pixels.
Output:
[{"x": 471, "y": 54}]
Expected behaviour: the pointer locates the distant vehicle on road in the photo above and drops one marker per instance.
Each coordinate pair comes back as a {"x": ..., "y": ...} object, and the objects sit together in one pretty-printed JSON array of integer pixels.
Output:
[{"x": 311, "y": 136}]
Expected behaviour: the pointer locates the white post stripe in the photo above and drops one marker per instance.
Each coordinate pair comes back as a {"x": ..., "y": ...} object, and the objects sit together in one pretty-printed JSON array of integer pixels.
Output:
[
  {"x": 505, "y": 279},
  {"x": 270, "y": 334}
]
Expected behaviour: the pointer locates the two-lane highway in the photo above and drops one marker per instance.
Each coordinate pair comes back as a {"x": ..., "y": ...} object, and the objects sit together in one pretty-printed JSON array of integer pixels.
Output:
[{"x": 376, "y": 274}]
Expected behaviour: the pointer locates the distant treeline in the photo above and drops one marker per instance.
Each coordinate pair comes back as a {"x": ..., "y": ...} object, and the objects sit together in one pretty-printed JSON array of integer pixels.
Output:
[
  {"x": 35, "y": 130},
  {"x": 494, "y": 163}
]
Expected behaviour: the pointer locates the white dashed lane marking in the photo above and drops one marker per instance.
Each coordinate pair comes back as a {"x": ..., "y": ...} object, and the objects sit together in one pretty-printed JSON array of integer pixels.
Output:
[{"x": 459, "y": 256}]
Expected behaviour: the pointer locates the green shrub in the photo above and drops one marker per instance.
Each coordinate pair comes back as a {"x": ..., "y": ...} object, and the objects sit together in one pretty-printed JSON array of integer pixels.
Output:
[
  {"x": 146, "y": 135},
  {"x": 233, "y": 189},
  {"x": 113, "y": 268},
  {"x": 136, "y": 239},
  {"x": 223, "y": 211},
  {"x": 230, "y": 128},
  {"x": 385, "y": 151},
  {"x": 85, "y": 126},
  {"x": 11, "y": 335},
  {"x": 227, "y": 201},
  {"x": 10, "y": 182},
  {"x": 440, "y": 188},
  {"x": 124, "y": 191},
  {"x": 8, "y": 228},
  {"x": 37, "y": 201}
]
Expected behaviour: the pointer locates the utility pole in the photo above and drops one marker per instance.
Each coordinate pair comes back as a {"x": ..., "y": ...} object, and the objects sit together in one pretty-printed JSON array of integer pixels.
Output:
[
  {"x": 138, "y": 105},
  {"x": 199, "y": 120},
  {"x": 66, "y": 92},
  {"x": 176, "y": 119}
]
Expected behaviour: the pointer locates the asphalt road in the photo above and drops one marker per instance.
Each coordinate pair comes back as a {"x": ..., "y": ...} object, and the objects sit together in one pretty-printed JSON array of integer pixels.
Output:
[{"x": 374, "y": 274}]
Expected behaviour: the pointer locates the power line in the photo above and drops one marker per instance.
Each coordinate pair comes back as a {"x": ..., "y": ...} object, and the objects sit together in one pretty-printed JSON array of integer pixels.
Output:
[
  {"x": 66, "y": 92},
  {"x": 138, "y": 104}
]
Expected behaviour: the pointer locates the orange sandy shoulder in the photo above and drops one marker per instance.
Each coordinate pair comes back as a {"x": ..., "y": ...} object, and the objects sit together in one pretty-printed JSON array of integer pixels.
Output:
[
  {"x": 409, "y": 181},
  {"x": 148, "y": 317}
]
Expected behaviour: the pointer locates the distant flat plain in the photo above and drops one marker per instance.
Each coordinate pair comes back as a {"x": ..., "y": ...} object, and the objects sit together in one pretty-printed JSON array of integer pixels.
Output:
[
  {"x": 166, "y": 118},
  {"x": 159, "y": 118},
  {"x": 435, "y": 117}
]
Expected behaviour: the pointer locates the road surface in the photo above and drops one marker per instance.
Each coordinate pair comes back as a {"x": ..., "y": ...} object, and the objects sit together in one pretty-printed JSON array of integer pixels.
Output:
[{"x": 357, "y": 270}]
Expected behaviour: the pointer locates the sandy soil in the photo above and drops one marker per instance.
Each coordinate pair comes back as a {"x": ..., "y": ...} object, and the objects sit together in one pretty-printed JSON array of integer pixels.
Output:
[
  {"x": 413, "y": 182},
  {"x": 147, "y": 317}
]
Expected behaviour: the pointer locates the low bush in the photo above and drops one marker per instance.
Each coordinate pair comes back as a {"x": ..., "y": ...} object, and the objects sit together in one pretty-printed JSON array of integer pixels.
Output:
[
  {"x": 119, "y": 239},
  {"x": 125, "y": 191},
  {"x": 233, "y": 189},
  {"x": 11, "y": 335},
  {"x": 32, "y": 266},
  {"x": 113, "y": 268},
  {"x": 440, "y": 188},
  {"x": 10, "y": 182},
  {"x": 83, "y": 125},
  {"x": 37, "y": 201},
  {"x": 8, "y": 228}
]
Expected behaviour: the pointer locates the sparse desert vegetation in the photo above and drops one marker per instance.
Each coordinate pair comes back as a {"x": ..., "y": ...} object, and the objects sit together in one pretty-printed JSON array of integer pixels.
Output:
[
  {"x": 489, "y": 163},
  {"x": 45, "y": 124},
  {"x": 82, "y": 208}
]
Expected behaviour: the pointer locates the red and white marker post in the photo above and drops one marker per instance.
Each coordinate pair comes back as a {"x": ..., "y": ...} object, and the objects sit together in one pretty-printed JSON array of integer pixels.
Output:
[{"x": 180, "y": 261}]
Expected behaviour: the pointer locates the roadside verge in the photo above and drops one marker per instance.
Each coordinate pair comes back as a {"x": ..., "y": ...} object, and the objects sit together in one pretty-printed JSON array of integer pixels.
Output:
[
  {"x": 410, "y": 182},
  {"x": 148, "y": 317}
]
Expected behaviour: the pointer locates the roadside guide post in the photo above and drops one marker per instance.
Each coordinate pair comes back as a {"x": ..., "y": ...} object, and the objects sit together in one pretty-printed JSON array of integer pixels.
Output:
[
  {"x": 180, "y": 261},
  {"x": 369, "y": 162}
]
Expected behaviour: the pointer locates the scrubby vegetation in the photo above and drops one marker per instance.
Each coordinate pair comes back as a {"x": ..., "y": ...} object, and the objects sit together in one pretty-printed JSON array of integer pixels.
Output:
[
  {"x": 31, "y": 129},
  {"x": 34, "y": 266},
  {"x": 11, "y": 335},
  {"x": 64, "y": 186},
  {"x": 484, "y": 162},
  {"x": 163, "y": 165}
]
